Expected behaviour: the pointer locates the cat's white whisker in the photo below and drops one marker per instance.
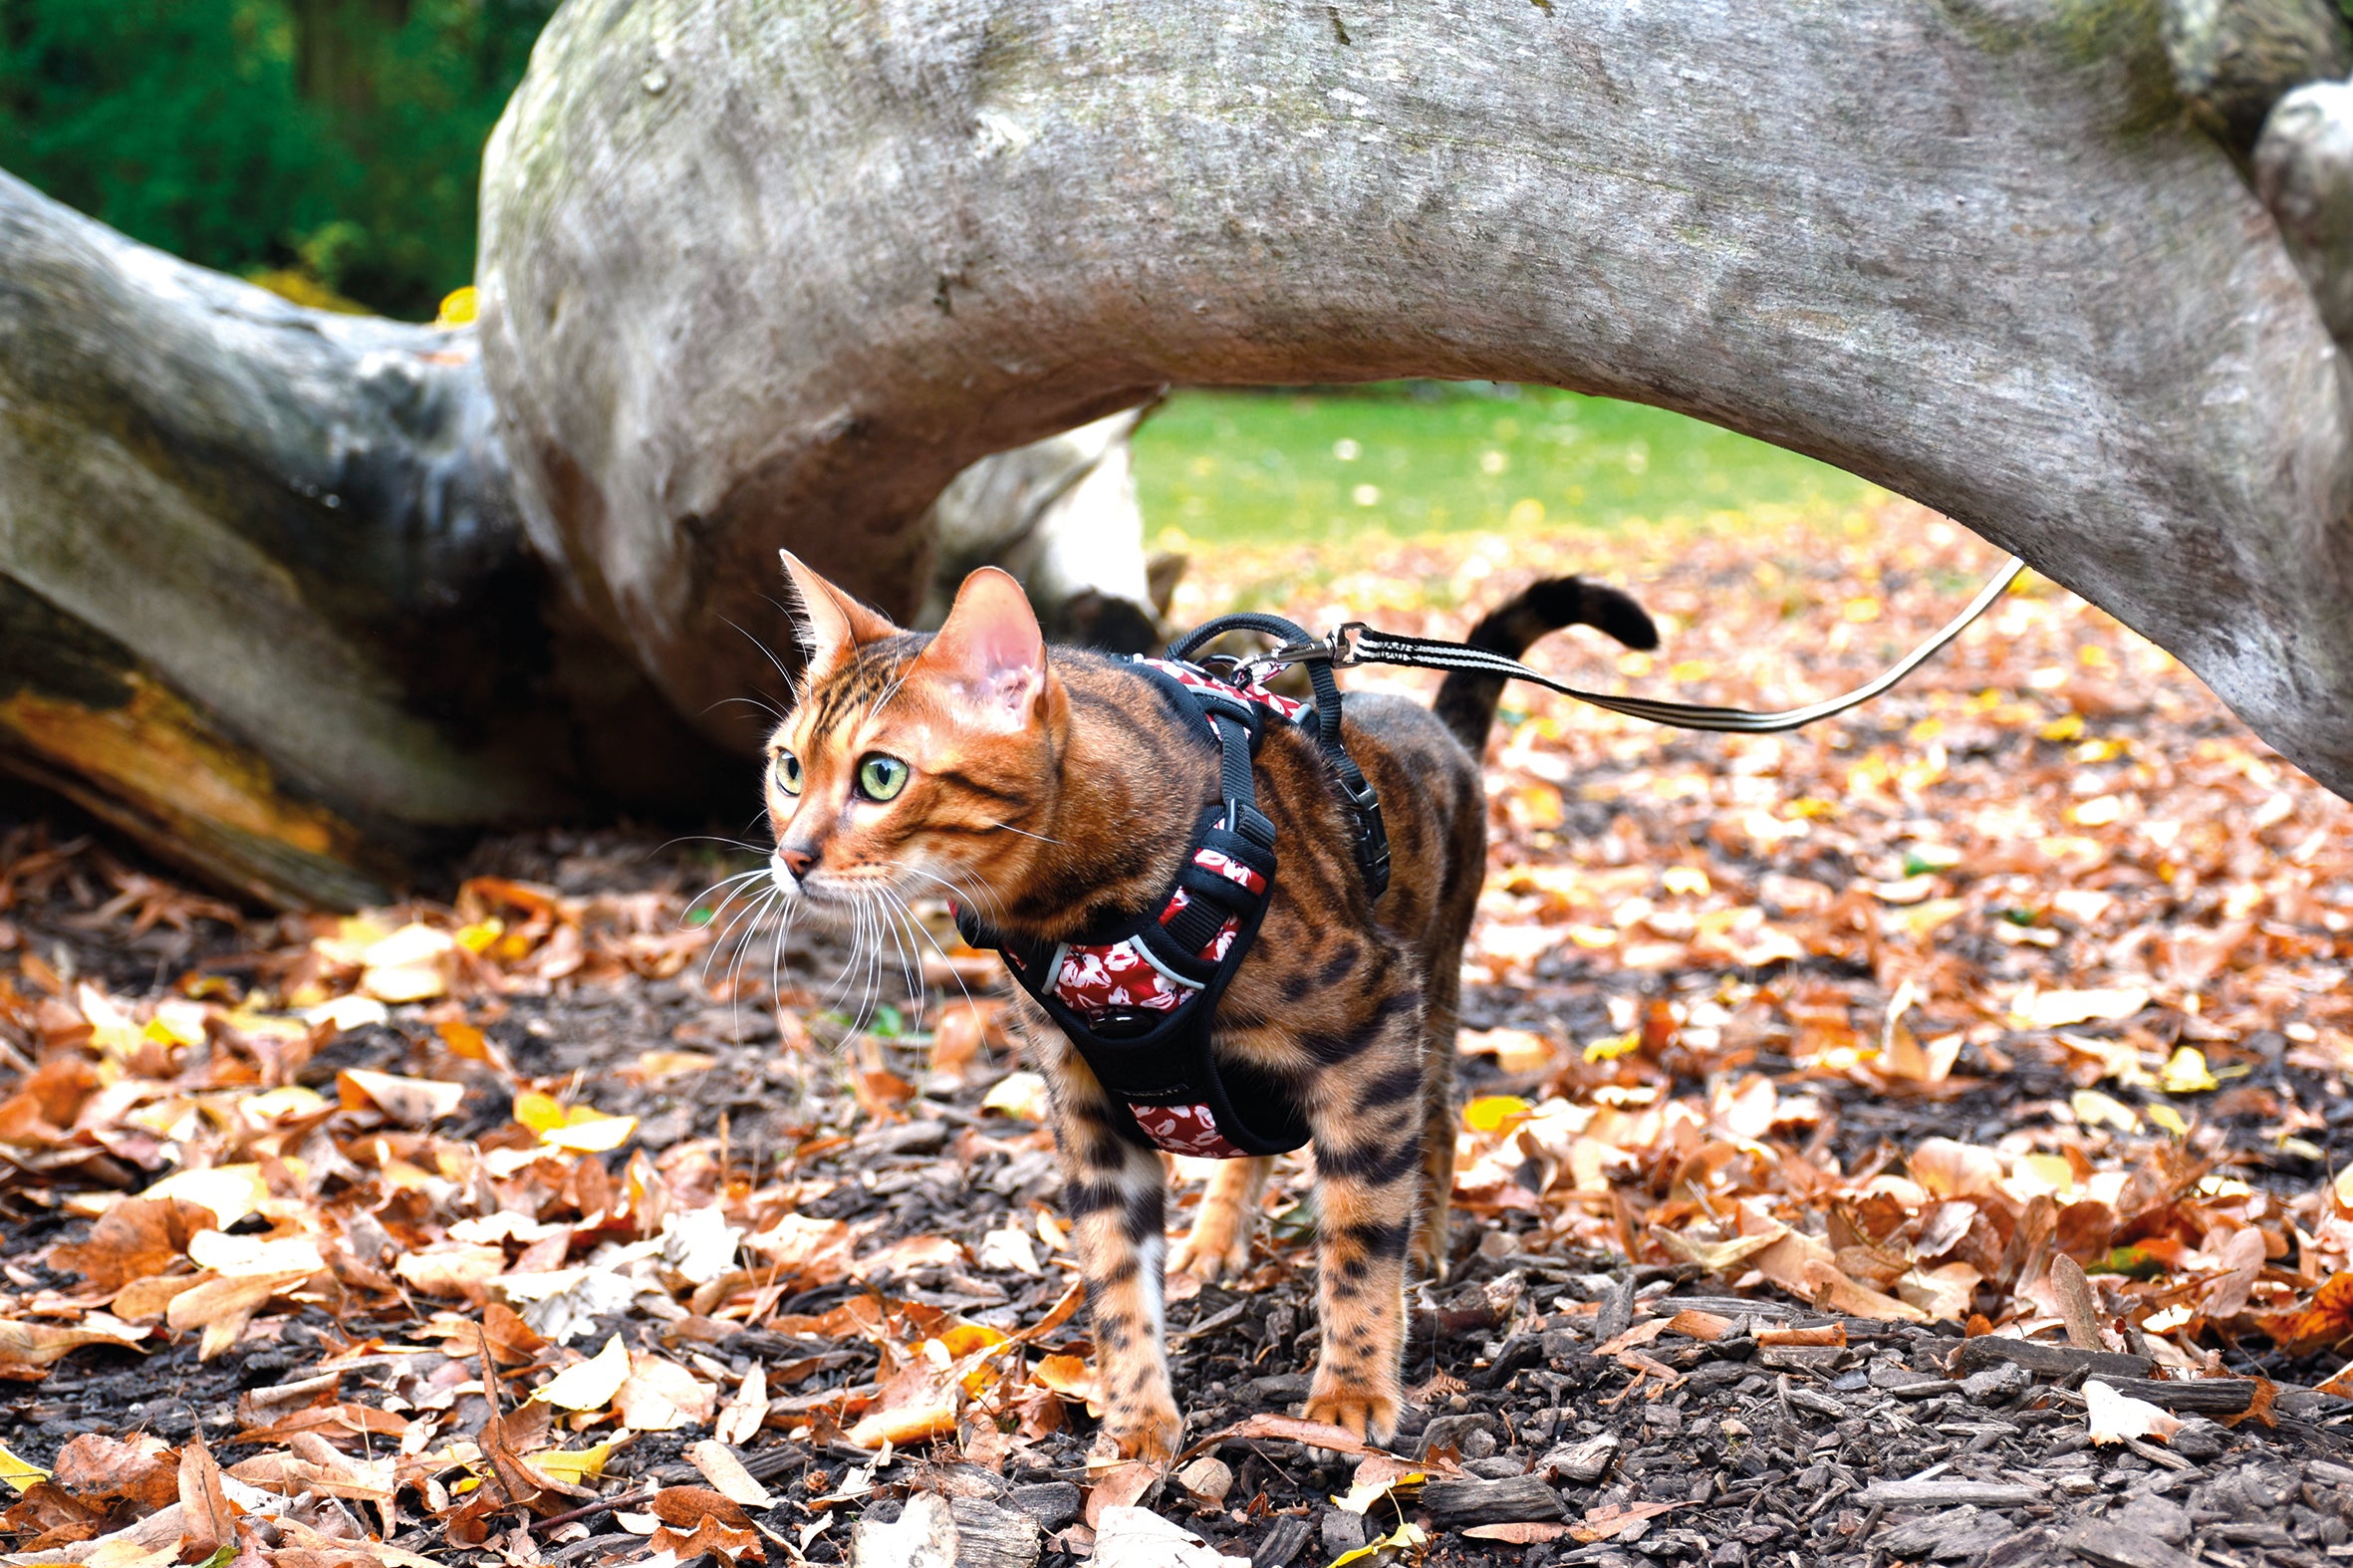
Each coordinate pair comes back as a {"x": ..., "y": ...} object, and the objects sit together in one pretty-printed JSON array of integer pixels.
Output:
[
  {"x": 719, "y": 944},
  {"x": 1025, "y": 833},
  {"x": 743, "y": 947},
  {"x": 766, "y": 652},
  {"x": 925, "y": 932},
  {"x": 981, "y": 897}
]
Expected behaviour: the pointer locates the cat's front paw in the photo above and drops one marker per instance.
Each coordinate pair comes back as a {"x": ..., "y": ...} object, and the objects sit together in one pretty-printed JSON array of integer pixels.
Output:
[
  {"x": 1217, "y": 1247},
  {"x": 1152, "y": 1431},
  {"x": 1369, "y": 1414}
]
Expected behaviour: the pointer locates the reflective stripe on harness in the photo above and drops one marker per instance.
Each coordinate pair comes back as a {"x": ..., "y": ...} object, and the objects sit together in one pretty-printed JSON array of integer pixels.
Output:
[{"x": 1139, "y": 1002}]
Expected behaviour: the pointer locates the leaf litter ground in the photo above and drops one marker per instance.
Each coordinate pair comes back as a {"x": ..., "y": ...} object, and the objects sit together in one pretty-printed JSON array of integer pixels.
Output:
[{"x": 1921, "y": 1138}]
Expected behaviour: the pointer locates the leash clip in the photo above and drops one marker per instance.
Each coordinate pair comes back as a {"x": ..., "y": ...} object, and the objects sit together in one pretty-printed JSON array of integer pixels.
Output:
[{"x": 1336, "y": 647}]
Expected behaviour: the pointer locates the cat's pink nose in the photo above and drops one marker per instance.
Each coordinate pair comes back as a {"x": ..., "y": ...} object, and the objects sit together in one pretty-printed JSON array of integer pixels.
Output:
[{"x": 796, "y": 861}]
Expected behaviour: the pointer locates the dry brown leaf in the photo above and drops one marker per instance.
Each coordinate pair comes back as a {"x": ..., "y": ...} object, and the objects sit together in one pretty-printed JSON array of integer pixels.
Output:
[
  {"x": 39, "y": 1344},
  {"x": 453, "y": 1269},
  {"x": 208, "y": 1516},
  {"x": 416, "y": 1102},
  {"x": 1818, "y": 1334},
  {"x": 1123, "y": 1486},
  {"x": 724, "y": 1470},
  {"x": 661, "y": 1396},
  {"x": 1707, "y": 1326},
  {"x": 145, "y": 1470},
  {"x": 221, "y": 1308},
  {"x": 1612, "y": 1519},
  {"x": 1954, "y": 1170},
  {"x": 1528, "y": 1533},
  {"x": 138, "y": 1237},
  {"x": 1642, "y": 1333},
  {"x": 725, "y": 1543}
]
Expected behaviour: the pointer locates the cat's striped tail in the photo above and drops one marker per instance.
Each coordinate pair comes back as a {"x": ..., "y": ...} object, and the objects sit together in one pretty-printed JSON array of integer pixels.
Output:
[{"x": 1466, "y": 702}]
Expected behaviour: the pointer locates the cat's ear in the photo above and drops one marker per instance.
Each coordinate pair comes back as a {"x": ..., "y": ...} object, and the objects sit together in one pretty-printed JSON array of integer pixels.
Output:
[
  {"x": 990, "y": 647},
  {"x": 831, "y": 625}
]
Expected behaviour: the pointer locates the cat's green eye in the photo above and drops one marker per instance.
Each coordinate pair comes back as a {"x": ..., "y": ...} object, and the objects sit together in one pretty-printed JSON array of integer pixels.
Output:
[
  {"x": 881, "y": 777},
  {"x": 788, "y": 774}
]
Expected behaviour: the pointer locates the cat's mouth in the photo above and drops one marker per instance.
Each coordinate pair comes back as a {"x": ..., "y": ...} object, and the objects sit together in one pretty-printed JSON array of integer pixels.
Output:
[{"x": 818, "y": 894}]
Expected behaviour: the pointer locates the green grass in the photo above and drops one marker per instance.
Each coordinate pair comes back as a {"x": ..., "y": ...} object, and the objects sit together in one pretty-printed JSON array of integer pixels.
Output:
[{"x": 1424, "y": 457}]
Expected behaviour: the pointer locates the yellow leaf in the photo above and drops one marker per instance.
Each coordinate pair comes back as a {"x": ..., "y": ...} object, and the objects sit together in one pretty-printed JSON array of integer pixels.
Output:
[
  {"x": 1372, "y": 1488},
  {"x": 458, "y": 307},
  {"x": 2066, "y": 728},
  {"x": 1609, "y": 1048},
  {"x": 2167, "y": 1116},
  {"x": 539, "y": 1112},
  {"x": 230, "y": 1192},
  {"x": 571, "y": 1466},
  {"x": 2041, "y": 1174},
  {"x": 19, "y": 1473},
  {"x": 581, "y": 1129},
  {"x": 2186, "y": 1072},
  {"x": 966, "y": 1338},
  {"x": 2094, "y": 1109},
  {"x": 592, "y": 1135},
  {"x": 1021, "y": 1095},
  {"x": 1496, "y": 1113},
  {"x": 1404, "y": 1538},
  {"x": 2058, "y": 1009},
  {"x": 589, "y": 1384}
]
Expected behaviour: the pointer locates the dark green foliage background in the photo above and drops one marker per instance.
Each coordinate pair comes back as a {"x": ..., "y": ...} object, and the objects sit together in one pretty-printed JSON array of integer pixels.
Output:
[{"x": 339, "y": 138}]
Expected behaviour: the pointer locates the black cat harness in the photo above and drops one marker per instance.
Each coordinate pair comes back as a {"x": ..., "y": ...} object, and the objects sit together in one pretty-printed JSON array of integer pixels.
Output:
[{"x": 1138, "y": 1001}]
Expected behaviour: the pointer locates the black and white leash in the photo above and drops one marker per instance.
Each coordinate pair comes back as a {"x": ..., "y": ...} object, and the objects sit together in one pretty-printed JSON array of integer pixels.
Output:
[{"x": 1358, "y": 644}]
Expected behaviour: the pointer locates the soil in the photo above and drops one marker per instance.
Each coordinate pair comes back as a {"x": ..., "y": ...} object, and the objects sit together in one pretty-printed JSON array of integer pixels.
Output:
[{"x": 1875, "y": 1451}]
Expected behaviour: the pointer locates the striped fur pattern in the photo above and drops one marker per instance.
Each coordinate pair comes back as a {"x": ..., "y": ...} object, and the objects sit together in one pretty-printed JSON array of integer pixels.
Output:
[{"x": 1052, "y": 794}]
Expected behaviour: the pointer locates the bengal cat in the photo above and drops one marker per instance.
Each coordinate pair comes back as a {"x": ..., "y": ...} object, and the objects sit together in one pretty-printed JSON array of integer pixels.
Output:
[{"x": 1054, "y": 792}]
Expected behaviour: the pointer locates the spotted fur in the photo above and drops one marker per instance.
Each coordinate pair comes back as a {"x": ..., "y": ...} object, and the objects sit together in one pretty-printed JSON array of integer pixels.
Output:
[{"x": 1054, "y": 793}]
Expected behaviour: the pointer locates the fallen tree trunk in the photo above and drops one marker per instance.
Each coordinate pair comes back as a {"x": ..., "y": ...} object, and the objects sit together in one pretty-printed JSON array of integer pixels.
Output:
[
  {"x": 267, "y": 605},
  {"x": 750, "y": 266},
  {"x": 296, "y": 598}
]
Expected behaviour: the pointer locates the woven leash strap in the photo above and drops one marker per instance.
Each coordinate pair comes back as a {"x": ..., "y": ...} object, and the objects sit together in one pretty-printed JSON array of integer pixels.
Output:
[{"x": 1358, "y": 644}]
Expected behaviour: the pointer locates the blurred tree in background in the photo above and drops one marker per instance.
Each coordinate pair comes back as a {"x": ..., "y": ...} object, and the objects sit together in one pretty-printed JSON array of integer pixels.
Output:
[{"x": 324, "y": 146}]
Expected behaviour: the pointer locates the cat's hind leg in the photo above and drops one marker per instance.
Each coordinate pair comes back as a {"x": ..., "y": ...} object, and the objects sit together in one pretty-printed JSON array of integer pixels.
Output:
[
  {"x": 1368, "y": 1123},
  {"x": 1218, "y": 1245},
  {"x": 1432, "y": 1235}
]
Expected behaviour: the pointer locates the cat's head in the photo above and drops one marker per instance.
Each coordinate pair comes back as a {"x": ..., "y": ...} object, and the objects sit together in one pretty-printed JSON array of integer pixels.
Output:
[{"x": 912, "y": 765}]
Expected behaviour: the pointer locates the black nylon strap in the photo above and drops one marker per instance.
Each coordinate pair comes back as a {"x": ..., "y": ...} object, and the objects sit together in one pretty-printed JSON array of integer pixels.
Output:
[{"x": 1364, "y": 807}]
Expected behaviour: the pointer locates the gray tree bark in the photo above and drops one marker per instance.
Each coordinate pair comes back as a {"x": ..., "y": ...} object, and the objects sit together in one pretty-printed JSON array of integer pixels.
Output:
[
  {"x": 265, "y": 599},
  {"x": 756, "y": 266}
]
